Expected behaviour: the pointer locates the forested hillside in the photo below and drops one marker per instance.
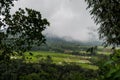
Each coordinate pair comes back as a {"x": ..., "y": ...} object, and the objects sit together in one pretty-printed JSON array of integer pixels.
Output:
[{"x": 61, "y": 44}]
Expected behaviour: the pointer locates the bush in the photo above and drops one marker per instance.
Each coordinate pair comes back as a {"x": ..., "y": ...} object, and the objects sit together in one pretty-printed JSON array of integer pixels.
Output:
[
  {"x": 110, "y": 70},
  {"x": 44, "y": 70}
]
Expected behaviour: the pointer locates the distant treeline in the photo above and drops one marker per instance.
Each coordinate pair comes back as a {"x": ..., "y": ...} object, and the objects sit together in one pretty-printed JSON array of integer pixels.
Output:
[{"x": 63, "y": 46}]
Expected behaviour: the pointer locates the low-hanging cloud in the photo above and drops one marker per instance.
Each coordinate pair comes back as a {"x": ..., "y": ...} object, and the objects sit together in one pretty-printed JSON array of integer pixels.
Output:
[{"x": 68, "y": 18}]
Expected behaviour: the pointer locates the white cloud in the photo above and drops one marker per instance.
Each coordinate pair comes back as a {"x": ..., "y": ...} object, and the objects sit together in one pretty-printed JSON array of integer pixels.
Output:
[{"x": 67, "y": 17}]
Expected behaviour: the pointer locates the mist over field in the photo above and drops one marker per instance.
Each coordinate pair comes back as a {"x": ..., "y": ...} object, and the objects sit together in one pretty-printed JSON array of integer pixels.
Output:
[{"x": 68, "y": 18}]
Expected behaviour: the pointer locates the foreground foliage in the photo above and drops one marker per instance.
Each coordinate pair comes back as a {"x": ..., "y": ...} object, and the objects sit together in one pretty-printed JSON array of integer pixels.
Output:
[
  {"x": 44, "y": 70},
  {"x": 20, "y": 30},
  {"x": 107, "y": 14},
  {"x": 110, "y": 68}
]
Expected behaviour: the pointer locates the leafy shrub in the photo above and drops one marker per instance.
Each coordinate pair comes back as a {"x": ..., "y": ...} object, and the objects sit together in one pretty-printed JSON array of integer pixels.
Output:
[
  {"x": 110, "y": 69},
  {"x": 44, "y": 70}
]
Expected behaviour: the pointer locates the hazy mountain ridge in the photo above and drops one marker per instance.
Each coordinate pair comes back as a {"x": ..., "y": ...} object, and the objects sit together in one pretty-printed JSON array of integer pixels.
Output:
[
  {"x": 57, "y": 44},
  {"x": 72, "y": 41}
]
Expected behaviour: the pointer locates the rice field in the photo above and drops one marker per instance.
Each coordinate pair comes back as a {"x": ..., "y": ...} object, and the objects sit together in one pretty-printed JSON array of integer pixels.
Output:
[{"x": 59, "y": 58}]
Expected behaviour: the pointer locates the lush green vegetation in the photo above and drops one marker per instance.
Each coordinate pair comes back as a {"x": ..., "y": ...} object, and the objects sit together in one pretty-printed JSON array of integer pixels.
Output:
[
  {"x": 74, "y": 64},
  {"x": 45, "y": 65},
  {"x": 60, "y": 58},
  {"x": 58, "y": 61},
  {"x": 44, "y": 70}
]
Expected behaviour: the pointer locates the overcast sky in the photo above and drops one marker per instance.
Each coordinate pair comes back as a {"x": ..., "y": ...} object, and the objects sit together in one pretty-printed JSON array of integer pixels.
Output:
[{"x": 68, "y": 18}]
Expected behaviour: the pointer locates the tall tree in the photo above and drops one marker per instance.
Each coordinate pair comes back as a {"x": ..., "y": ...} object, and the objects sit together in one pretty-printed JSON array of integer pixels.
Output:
[
  {"x": 19, "y": 31},
  {"x": 107, "y": 14}
]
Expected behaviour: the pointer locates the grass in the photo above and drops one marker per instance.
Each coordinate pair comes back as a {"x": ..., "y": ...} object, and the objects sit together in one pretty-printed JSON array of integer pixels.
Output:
[
  {"x": 59, "y": 58},
  {"x": 56, "y": 57},
  {"x": 104, "y": 53},
  {"x": 88, "y": 66}
]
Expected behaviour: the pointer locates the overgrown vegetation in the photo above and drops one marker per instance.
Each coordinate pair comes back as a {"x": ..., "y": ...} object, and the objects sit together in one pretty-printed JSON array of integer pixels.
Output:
[
  {"x": 44, "y": 70},
  {"x": 106, "y": 13},
  {"x": 22, "y": 31}
]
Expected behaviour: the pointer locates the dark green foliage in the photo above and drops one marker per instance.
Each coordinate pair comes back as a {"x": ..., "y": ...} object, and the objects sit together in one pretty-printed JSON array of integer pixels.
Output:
[
  {"x": 92, "y": 50},
  {"x": 5, "y": 6},
  {"x": 25, "y": 28},
  {"x": 110, "y": 68},
  {"x": 18, "y": 70},
  {"x": 19, "y": 31},
  {"x": 107, "y": 14}
]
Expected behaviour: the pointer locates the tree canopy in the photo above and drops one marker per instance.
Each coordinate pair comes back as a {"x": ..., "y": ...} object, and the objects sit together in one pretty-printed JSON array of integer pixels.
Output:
[
  {"x": 19, "y": 31},
  {"x": 107, "y": 14}
]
